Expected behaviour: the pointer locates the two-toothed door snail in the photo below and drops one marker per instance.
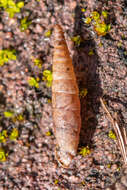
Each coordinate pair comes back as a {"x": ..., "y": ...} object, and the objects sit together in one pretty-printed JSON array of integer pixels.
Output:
[{"x": 65, "y": 101}]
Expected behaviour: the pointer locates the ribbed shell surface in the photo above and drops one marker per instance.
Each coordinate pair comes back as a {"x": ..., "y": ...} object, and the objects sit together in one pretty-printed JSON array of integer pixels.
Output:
[{"x": 65, "y": 101}]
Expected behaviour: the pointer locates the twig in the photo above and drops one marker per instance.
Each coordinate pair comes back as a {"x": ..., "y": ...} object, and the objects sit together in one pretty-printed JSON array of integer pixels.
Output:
[{"x": 122, "y": 141}]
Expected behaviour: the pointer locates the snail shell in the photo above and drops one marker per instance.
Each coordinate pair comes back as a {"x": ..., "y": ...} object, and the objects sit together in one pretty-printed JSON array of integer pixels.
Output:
[{"x": 65, "y": 101}]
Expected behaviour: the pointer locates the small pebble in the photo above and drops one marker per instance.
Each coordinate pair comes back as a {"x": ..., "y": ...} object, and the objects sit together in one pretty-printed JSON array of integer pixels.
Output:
[
  {"x": 1, "y": 26},
  {"x": 8, "y": 35},
  {"x": 38, "y": 28}
]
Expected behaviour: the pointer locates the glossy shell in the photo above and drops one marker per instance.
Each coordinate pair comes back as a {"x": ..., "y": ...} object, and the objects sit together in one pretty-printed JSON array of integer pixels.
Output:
[{"x": 65, "y": 101}]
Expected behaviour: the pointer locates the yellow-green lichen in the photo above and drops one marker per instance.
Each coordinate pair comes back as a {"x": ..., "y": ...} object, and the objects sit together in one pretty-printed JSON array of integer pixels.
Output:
[
  {"x": 76, "y": 39},
  {"x": 56, "y": 181},
  {"x": 83, "y": 10},
  {"x": 95, "y": 15},
  {"x": 87, "y": 20},
  {"x": 100, "y": 44},
  {"x": 11, "y": 7},
  {"x": 48, "y": 33},
  {"x": 112, "y": 135},
  {"x": 125, "y": 53},
  {"x": 18, "y": 117},
  {"x": 2, "y": 155},
  {"x": 109, "y": 166},
  {"x": 98, "y": 22},
  {"x": 8, "y": 114},
  {"x": 102, "y": 28},
  {"x": 14, "y": 134},
  {"x": 3, "y": 136},
  {"x": 33, "y": 82},
  {"x": 105, "y": 14},
  {"x": 91, "y": 52},
  {"x": 48, "y": 133},
  {"x": 38, "y": 63},
  {"x": 83, "y": 92},
  {"x": 6, "y": 55},
  {"x": 85, "y": 151},
  {"x": 119, "y": 44},
  {"x": 49, "y": 100},
  {"x": 47, "y": 77},
  {"x": 83, "y": 183},
  {"x": 24, "y": 24}
]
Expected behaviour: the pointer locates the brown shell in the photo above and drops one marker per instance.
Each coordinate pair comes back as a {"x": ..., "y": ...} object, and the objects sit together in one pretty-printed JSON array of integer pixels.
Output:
[{"x": 65, "y": 101}]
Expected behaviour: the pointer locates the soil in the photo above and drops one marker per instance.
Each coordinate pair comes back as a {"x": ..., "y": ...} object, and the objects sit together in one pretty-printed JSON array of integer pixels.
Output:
[{"x": 31, "y": 162}]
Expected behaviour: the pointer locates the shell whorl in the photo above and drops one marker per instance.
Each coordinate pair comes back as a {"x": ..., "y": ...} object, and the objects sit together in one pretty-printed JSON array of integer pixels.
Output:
[{"x": 65, "y": 100}]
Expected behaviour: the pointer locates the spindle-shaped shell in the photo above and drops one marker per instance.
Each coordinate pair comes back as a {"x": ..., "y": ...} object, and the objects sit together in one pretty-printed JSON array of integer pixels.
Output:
[{"x": 65, "y": 101}]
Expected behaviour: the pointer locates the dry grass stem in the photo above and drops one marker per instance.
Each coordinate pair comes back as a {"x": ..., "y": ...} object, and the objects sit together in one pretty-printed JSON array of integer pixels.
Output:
[{"x": 121, "y": 135}]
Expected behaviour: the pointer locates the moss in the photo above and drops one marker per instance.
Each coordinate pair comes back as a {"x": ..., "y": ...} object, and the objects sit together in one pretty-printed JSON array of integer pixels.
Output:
[
  {"x": 47, "y": 77},
  {"x": 6, "y": 55},
  {"x": 11, "y": 7}
]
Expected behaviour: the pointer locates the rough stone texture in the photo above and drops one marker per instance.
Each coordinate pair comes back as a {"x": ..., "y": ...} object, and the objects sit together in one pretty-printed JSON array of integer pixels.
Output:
[{"x": 31, "y": 163}]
